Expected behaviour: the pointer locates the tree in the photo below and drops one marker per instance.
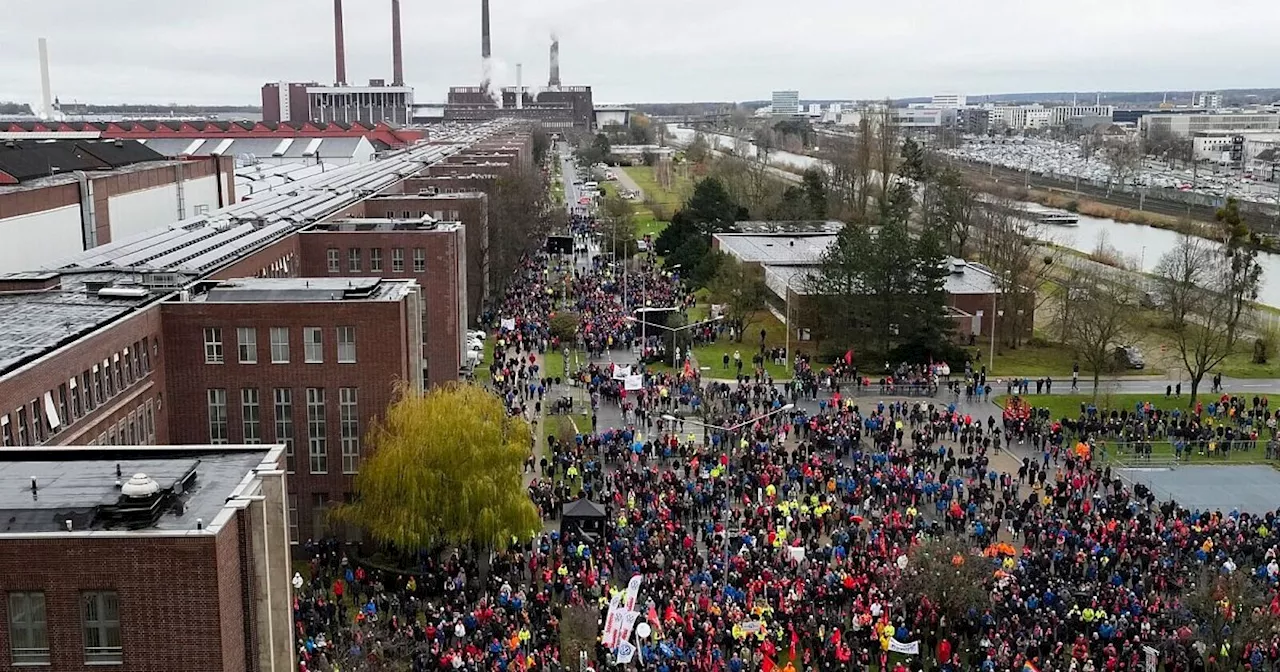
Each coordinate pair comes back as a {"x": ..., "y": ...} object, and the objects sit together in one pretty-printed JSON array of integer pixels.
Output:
[
  {"x": 887, "y": 148},
  {"x": 1227, "y": 610},
  {"x": 1123, "y": 157},
  {"x": 1244, "y": 274},
  {"x": 793, "y": 206},
  {"x": 850, "y": 159},
  {"x": 520, "y": 217},
  {"x": 541, "y": 143},
  {"x": 445, "y": 468},
  {"x": 915, "y": 162},
  {"x": 1101, "y": 314},
  {"x": 620, "y": 229},
  {"x": 951, "y": 578},
  {"x": 710, "y": 207},
  {"x": 1021, "y": 265},
  {"x": 951, "y": 206},
  {"x": 815, "y": 192},
  {"x": 741, "y": 288},
  {"x": 698, "y": 151},
  {"x": 1192, "y": 293}
]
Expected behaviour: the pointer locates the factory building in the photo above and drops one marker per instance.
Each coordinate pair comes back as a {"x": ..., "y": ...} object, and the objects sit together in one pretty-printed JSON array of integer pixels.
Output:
[
  {"x": 1188, "y": 125},
  {"x": 153, "y": 558},
  {"x": 61, "y": 197},
  {"x": 207, "y": 330}
]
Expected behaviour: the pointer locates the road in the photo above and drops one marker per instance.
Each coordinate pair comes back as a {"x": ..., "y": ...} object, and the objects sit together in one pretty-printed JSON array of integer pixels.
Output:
[{"x": 625, "y": 181}]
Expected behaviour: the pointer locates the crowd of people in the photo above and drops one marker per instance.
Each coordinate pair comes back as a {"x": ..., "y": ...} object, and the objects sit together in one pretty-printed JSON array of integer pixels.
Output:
[{"x": 780, "y": 525}]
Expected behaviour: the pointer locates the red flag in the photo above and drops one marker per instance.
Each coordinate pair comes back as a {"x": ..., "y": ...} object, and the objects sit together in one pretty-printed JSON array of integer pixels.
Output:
[
  {"x": 688, "y": 369},
  {"x": 795, "y": 639},
  {"x": 848, "y": 356},
  {"x": 652, "y": 618},
  {"x": 768, "y": 665}
]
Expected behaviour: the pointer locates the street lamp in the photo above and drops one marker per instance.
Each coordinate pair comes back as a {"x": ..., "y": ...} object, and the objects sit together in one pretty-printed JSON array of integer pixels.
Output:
[
  {"x": 727, "y": 502},
  {"x": 787, "y": 321},
  {"x": 675, "y": 355}
]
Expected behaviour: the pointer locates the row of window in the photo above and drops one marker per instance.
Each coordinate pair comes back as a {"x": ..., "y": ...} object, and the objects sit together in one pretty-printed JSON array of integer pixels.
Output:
[
  {"x": 43, "y": 418},
  {"x": 138, "y": 428},
  {"x": 99, "y": 620},
  {"x": 316, "y": 401},
  {"x": 319, "y": 518},
  {"x": 355, "y": 262},
  {"x": 247, "y": 345}
]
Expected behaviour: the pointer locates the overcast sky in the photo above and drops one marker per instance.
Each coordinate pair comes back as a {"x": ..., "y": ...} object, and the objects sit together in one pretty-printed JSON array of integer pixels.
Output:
[{"x": 221, "y": 52}]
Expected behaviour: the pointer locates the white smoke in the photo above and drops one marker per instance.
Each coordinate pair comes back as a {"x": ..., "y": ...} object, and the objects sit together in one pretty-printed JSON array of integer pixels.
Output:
[{"x": 496, "y": 72}]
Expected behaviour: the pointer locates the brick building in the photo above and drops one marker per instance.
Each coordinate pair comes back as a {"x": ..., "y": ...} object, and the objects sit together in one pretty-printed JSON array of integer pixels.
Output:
[
  {"x": 152, "y": 559},
  {"x": 305, "y": 362},
  {"x": 107, "y": 347}
]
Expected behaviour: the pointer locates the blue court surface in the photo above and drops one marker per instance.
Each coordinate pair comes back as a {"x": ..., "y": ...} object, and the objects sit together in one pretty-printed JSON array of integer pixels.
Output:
[{"x": 1249, "y": 488}]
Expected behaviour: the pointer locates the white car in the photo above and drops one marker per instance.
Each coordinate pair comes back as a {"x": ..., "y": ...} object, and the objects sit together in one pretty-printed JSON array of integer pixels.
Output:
[{"x": 477, "y": 334}]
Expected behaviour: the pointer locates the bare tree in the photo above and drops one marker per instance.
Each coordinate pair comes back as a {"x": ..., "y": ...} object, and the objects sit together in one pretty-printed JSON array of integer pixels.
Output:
[
  {"x": 1123, "y": 157},
  {"x": 1011, "y": 247},
  {"x": 887, "y": 148},
  {"x": 850, "y": 160},
  {"x": 1227, "y": 610},
  {"x": 1101, "y": 313},
  {"x": 1192, "y": 289},
  {"x": 950, "y": 577}
]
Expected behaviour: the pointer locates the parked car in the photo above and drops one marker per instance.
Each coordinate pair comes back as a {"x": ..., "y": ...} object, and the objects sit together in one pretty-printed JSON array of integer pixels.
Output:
[{"x": 1129, "y": 357}]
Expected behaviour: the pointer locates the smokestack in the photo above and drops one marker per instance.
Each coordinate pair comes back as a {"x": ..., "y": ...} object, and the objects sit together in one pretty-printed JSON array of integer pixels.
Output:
[
  {"x": 485, "y": 65},
  {"x": 46, "y": 94},
  {"x": 339, "y": 50},
  {"x": 397, "y": 55},
  {"x": 554, "y": 82},
  {"x": 519, "y": 86}
]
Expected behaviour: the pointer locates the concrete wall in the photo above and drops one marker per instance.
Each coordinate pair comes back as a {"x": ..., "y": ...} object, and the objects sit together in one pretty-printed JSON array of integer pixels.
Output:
[
  {"x": 138, "y": 211},
  {"x": 32, "y": 240}
]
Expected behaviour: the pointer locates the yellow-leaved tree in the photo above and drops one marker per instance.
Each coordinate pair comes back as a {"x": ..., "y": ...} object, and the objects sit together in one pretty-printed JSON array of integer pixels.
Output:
[{"x": 445, "y": 469}]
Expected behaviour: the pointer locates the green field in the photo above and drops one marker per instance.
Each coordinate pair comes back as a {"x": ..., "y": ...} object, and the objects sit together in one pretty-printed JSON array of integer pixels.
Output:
[
  {"x": 1069, "y": 405},
  {"x": 668, "y": 199},
  {"x": 775, "y": 336}
]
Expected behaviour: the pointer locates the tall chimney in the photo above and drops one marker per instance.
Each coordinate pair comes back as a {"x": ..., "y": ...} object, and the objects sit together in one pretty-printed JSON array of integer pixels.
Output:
[
  {"x": 519, "y": 86},
  {"x": 397, "y": 56},
  {"x": 485, "y": 53},
  {"x": 554, "y": 82},
  {"x": 339, "y": 50},
  {"x": 46, "y": 94}
]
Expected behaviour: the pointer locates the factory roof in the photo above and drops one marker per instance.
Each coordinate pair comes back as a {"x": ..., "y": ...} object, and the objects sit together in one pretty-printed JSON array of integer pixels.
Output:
[
  {"x": 304, "y": 290},
  {"x": 292, "y": 148},
  {"x": 130, "y": 490},
  {"x": 424, "y": 224},
  {"x": 965, "y": 278},
  {"x": 775, "y": 248},
  {"x": 22, "y": 161},
  {"x": 83, "y": 293}
]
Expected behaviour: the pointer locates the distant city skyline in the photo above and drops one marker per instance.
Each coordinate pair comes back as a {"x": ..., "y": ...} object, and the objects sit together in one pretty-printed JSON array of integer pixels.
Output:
[{"x": 128, "y": 51}]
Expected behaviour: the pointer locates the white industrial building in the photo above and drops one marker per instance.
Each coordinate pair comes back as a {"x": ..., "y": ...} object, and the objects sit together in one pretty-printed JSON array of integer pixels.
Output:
[
  {"x": 786, "y": 103},
  {"x": 271, "y": 151},
  {"x": 949, "y": 100},
  {"x": 1187, "y": 125}
]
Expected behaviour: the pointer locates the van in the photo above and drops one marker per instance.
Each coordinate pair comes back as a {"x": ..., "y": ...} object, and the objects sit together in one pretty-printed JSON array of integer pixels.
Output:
[{"x": 591, "y": 185}]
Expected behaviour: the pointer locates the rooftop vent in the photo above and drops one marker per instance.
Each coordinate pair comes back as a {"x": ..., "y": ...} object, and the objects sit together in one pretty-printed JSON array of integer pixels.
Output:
[
  {"x": 958, "y": 266},
  {"x": 139, "y": 486}
]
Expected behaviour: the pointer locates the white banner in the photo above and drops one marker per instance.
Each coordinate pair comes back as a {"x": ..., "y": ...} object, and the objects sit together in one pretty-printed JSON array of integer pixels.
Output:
[
  {"x": 797, "y": 553},
  {"x": 508, "y": 323},
  {"x": 750, "y": 627},
  {"x": 626, "y": 623},
  {"x": 633, "y": 591},
  {"x": 609, "y": 636},
  {"x": 624, "y": 653},
  {"x": 620, "y": 371},
  {"x": 633, "y": 383},
  {"x": 909, "y": 649}
]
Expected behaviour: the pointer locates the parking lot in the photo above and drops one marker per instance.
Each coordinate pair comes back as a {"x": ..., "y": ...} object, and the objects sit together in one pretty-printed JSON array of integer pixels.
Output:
[{"x": 1065, "y": 160}]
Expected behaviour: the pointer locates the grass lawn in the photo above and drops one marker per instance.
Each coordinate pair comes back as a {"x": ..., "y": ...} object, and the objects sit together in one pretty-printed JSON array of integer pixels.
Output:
[
  {"x": 1239, "y": 364},
  {"x": 775, "y": 336},
  {"x": 669, "y": 198},
  {"x": 552, "y": 364},
  {"x": 482, "y": 369},
  {"x": 1036, "y": 361},
  {"x": 1068, "y": 405}
]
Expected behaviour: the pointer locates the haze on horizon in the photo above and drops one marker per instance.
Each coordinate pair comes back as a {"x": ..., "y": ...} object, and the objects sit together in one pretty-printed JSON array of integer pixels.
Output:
[{"x": 129, "y": 51}]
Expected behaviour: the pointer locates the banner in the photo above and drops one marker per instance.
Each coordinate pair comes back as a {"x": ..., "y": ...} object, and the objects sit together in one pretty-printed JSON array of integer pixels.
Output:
[
  {"x": 608, "y": 637},
  {"x": 796, "y": 552},
  {"x": 633, "y": 382},
  {"x": 633, "y": 591},
  {"x": 624, "y": 653},
  {"x": 620, "y": 371},
  {"x": 509, "y": 323},
  {"x": 909, "y": 649},
  {"x": 750, "y": 627},
  {"x": 626, "y": 623}
]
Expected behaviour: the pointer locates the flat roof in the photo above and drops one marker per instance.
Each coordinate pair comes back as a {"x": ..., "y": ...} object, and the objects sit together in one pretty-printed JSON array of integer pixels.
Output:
[
  {"x": 425, "y": 224},
  {"x": 80, "y": 484},
  {"x": 775, "y": 249},
  {"x": 300, "y": 290},
  {"x": 965, "y": 278},
  {"x": 60, "y": 179}
]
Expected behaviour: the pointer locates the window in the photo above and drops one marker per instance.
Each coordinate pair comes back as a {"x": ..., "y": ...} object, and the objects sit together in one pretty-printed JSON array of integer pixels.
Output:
[
  {"x": 250, "y": 415},
  {"x": 28, "y": 635},
  {"x": 129, "y": 371},
  {"x": 119, "y": 369},
  {"x": 38, "y": 425},
  {"x": 6, "y": 431},
  {"x": 293, "y": 519},
  {"x": 419, "y": 260},
  {"x": 353, "y": 260},
  {"x": 349, "y": 420},
  {"x": 312, "y": 345},
  {"x": 212, "y": 345},
  {"x": 318, "y": 505},
  {"x": 146, "y": 354},
  {"x": 202, "y": 209},
  {"x": 102, "y": 627},
  {"x": 217, "y": 415},
  {"x": 64, "y": 404},
  {"x": 108, "y": 378},
  {"x": 22, "y": 427},
  {"x": 375, "y": 260},
  {"x": 98, "y": 384},
  {"x": 279, "y": 345},
  {"x": 151, "y": 423},
  {"x": 317, "y": 448},
  {"x": 247, "y": 344},
  {"x": 284, "y": 424},
  {"x": 397, "y": 260},
  {"x": 86, "y": 383},
  {"x": 346, "y": 345},
  {"x": 333, "y": 260}
]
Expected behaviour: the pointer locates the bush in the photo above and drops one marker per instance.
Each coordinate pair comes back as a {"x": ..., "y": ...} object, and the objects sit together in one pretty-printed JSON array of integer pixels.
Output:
[
  {"x": 1039, "y": 342},
  {"x": 1072, "y": 206},
  {"x": 564, "y": 326}
]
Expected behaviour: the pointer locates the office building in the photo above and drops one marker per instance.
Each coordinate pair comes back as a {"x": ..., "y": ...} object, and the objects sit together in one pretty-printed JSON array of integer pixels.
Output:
[
  {"x": 949, "y": 100},
  {"x": 1208, "y": 101},
  {"x": 153, "y": 558},
  {"x": 1187, "y": 125},
  {"x": 786, "y": 103},
  {"x": 1060, "y": 114}
]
